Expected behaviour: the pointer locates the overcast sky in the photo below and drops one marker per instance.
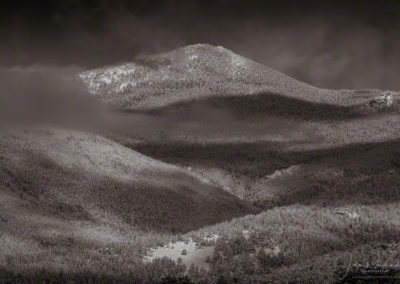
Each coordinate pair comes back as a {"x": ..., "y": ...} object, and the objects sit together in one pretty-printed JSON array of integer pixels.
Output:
[{"x": 337, "y": 44}]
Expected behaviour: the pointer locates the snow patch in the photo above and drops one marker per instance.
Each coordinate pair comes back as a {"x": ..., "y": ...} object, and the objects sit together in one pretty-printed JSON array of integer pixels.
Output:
[
  {"x": 105, "y": 80},
  {"x": 125, "y": 85},
  {"x": 239, "y": 61},
  {"x": 385, "y": 100},
  {"x": 348, "y": 213},
  {"x": 189, "y": 252},
  {"x": 278, "y": 173}
]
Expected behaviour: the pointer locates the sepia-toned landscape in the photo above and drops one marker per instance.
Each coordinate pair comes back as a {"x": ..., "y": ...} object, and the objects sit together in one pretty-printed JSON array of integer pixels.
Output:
[
  {"x": 241, "y": 172},
  {"x": 195, "y": 165}
]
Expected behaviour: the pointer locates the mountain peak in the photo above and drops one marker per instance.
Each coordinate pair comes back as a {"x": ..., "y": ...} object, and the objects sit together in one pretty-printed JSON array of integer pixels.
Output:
[
  {"x": 204, "y": 52},
  {"x": 198, "y": 46},
  {"x": 187, "y": 72},
  {"x": 205, "y": 47}
]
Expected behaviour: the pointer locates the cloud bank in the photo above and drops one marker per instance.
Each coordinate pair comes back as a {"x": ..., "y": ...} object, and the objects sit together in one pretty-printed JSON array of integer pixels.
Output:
[
  {"x": 46, "y": 95},
  {"x": 343, "y": 44}
]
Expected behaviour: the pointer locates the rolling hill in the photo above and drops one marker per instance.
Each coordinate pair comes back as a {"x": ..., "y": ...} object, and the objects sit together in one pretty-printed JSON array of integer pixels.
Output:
[
  {"x": 66, "y": 195},
  {"x": 299, "y": 152},
  {"x": 209, "y": 140},
  {"x": 84, "y": 174}
]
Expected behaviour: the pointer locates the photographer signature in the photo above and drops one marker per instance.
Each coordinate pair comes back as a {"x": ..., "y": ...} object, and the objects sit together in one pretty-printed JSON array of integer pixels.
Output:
[{"x": 367, "y": 267}]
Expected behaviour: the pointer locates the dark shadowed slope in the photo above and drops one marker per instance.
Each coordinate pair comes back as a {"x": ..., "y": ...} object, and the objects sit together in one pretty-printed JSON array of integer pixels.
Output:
[{"x": 258, "y": 106}]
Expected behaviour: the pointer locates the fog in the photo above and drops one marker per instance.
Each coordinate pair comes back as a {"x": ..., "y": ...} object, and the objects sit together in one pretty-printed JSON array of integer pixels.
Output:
[
  {"x": 54, "y": 96},
  {"x": 44, "y": 95}
]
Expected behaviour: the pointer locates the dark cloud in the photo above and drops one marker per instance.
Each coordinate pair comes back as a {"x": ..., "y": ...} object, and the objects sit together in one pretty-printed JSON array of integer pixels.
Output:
[
  {"x": 335, "y": 44},
  {"x": 326, "y": 54}
]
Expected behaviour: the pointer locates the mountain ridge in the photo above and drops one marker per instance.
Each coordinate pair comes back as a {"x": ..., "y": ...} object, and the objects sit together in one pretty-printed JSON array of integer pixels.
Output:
[{"x": 201, "y": 69}]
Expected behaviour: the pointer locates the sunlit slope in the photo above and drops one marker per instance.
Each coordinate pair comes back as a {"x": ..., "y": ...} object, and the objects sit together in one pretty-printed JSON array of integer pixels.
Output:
[
  {"x": 195, "y": 71},
  {"x": 79, "y": 175}
]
